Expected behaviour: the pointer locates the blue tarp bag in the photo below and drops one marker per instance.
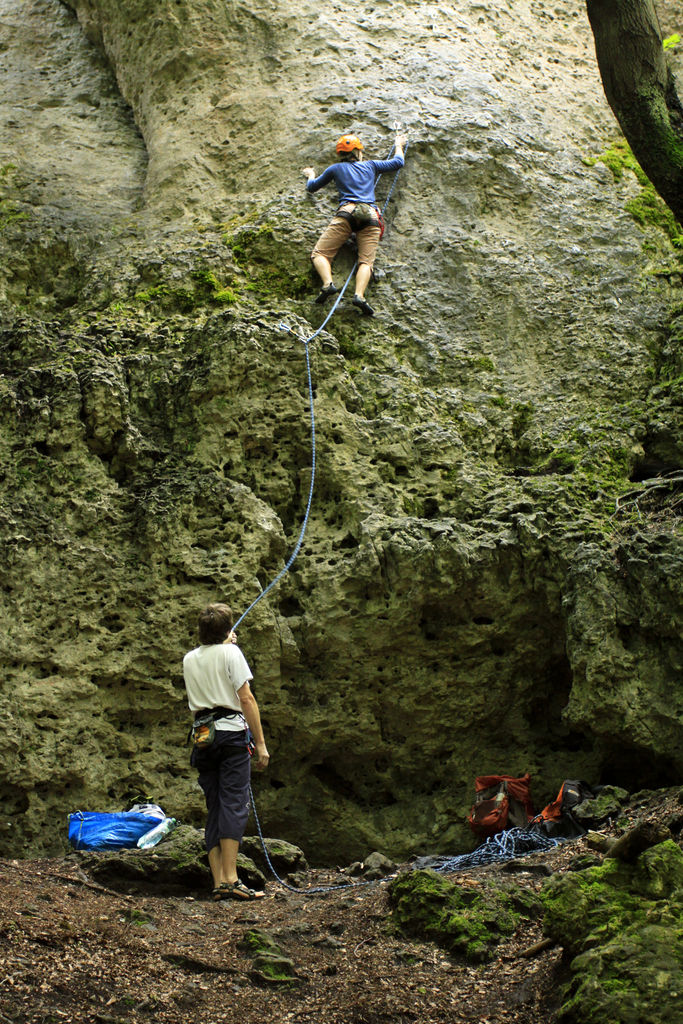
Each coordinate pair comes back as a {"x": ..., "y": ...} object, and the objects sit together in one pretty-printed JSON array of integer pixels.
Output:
[{"x": 94, "y": 830}]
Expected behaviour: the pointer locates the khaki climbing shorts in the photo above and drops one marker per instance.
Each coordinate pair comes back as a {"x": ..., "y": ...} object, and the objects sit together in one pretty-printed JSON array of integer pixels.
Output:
[{"x": 337, "y": 232}]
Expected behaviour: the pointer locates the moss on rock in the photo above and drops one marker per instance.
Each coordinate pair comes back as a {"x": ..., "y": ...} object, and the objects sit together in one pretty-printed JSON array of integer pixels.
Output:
[
  {"x": 269, "y": 964},
  {"x": 647, "y": 208},
  {"x": 272, "y": 267},
  {"x": 607, "y": 804},
  {"x": 622, "y": 928},
  {"x": 464, "y": 920}
]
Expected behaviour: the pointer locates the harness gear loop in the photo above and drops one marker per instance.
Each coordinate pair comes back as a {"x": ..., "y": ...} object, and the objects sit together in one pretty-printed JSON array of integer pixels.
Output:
[{"x": 362, "y": 216}]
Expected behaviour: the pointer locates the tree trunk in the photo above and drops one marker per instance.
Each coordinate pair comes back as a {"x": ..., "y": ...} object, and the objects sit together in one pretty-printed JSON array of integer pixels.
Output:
[
  {"x": 641, "y": 837},
  {"x": 640, "y": 90}
]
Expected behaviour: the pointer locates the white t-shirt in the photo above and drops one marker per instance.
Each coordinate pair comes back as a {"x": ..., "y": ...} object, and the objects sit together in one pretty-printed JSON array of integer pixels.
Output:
[{"x": 213, "y": 675}]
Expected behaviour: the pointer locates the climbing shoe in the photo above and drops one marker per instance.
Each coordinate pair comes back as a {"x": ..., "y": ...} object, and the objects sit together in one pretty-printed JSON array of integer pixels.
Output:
[
  {"x": 326, "y": 293},
  {"x": 365, "y": 307}
]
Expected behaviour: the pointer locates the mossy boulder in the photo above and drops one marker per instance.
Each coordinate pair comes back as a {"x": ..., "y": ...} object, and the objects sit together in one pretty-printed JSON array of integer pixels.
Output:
[
  {"x": 273, "y": 969},
  {"x": 607, "y": 804},
  {"x": 465, "y": 920},
  {"x": 621, "y": 926},
  {"x": 269, "y": 964},
  {"x": 178, "y": 864}
]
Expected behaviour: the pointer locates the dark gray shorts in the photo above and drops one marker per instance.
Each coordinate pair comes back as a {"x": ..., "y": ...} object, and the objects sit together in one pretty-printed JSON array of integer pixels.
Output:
[{"x": 224, "y": 775}]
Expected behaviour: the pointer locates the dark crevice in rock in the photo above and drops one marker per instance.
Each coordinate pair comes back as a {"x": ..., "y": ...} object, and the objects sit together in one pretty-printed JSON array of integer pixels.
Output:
[
  {"x": 14, "y": 799},
  {"x": 650, "y": 466},
  {"x": 327, "y": 774},
  {"x": 290, "y": 607},
  {"x": 636, "y": 769}
]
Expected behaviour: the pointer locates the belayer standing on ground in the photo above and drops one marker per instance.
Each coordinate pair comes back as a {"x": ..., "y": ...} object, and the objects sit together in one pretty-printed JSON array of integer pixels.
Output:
[
  {"x": 358, "y": 211},
  {"x": 217, "y": 683}
]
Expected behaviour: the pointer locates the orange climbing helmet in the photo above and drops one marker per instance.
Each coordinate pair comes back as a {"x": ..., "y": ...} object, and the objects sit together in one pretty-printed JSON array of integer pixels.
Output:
[{"x": 348, "y": 143}]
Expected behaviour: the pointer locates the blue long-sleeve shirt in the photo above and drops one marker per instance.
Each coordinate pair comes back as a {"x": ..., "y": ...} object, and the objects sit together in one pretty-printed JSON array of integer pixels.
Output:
[{"x": 355, "y": 179}]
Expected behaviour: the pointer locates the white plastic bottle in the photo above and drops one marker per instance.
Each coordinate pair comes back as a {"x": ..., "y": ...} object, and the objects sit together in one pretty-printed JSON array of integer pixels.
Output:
[{"x": 157, "y": 833}]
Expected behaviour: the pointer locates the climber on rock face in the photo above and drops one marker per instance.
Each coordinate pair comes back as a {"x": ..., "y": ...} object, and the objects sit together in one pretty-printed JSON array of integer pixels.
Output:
[{"x": 358, "y": 211}]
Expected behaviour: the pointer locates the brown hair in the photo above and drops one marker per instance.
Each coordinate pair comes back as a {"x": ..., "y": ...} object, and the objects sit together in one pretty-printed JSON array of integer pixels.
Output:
[{"x": 215, "y": 622}]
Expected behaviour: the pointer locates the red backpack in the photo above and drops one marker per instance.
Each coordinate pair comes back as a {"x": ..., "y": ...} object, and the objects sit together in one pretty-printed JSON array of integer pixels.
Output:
[{"x": 501, "y": 802}]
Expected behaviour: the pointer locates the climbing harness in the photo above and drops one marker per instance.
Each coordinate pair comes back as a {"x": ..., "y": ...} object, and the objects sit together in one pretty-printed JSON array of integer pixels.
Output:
[{"x": 362, "y": 216}]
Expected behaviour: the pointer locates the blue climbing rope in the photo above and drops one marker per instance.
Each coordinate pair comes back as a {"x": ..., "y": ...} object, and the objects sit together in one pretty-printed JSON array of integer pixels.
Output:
[
  {"x": 316, "y": 890},
  {"x": 514, "y": 842},
  {"x": 306, "y": 342},
  {"x": 299, "y": 542}
]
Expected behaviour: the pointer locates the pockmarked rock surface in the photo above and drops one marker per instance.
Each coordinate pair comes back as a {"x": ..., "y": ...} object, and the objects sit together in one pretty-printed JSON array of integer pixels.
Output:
[{"x": 491, "y": 575}]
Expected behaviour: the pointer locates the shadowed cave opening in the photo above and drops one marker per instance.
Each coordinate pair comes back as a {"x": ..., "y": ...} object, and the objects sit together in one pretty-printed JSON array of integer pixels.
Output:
[
  {"x": 634, "y": 769},
  {"x": 650, "y": 466}
]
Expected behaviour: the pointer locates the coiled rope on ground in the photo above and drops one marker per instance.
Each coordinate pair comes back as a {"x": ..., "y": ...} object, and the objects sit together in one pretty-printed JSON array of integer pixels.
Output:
[{"x": 505, "y": 846}]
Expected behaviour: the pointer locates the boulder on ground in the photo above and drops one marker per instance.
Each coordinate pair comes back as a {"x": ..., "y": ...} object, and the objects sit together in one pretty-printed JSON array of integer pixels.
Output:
[
  {"x": 620, "y": 927},
  {"x": 289, "y": 861},
  {"x": 178, "y": 864},
  {"x": 607, "y": 804},
  {"x": 462, "y": 919},
  {"x": 270, "y": 966},
  {"x": 377, "y": 866}
]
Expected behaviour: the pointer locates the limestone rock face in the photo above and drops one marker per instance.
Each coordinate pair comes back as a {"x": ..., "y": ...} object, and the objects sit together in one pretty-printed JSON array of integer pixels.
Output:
[{"x": 490, "y": 576}]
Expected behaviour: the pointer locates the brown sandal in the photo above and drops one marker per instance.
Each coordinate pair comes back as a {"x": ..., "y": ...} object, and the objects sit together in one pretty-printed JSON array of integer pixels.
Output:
[{"x": 236, "y": 891}]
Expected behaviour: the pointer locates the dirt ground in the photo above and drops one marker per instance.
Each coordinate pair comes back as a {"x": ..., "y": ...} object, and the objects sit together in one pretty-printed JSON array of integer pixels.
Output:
[{"x": 73, "y": 951}]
